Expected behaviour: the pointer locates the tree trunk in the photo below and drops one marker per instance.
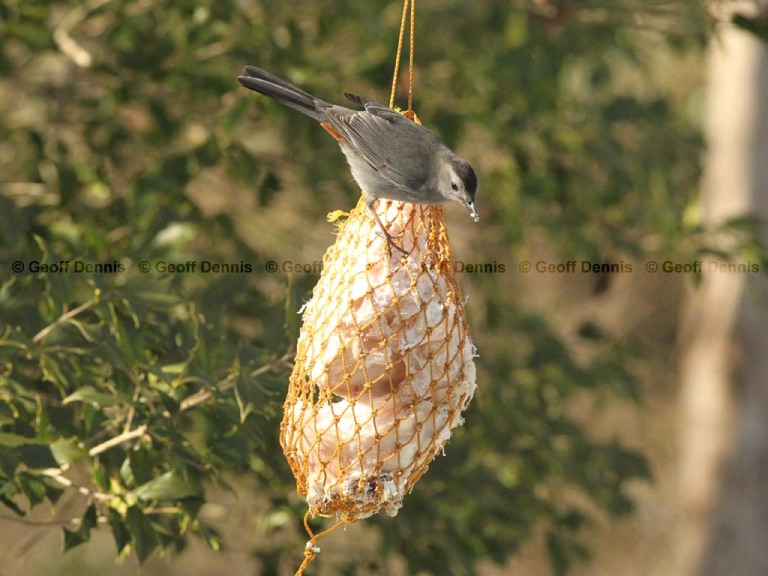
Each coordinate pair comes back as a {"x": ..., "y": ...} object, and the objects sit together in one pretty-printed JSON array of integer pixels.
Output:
[{"x": 723, "y": 528}]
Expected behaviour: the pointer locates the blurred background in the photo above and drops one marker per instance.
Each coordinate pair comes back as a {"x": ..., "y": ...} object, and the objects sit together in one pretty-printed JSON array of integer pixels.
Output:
[{"x": 619, "y": 424}]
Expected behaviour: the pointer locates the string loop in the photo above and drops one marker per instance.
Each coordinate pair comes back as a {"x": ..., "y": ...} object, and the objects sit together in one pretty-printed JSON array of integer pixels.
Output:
[{"x": 411, "y": 48}]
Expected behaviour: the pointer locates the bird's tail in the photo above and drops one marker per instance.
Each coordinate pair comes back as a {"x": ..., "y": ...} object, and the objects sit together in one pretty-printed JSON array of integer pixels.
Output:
[{"x": 284, "y": 92}]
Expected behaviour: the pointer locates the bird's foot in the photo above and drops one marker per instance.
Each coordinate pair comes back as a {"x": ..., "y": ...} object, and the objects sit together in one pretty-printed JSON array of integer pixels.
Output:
[
  {"x": 391, "y": 244},
  {"x": 390, "y": 241},
  {"x": 381, "y": 231}
]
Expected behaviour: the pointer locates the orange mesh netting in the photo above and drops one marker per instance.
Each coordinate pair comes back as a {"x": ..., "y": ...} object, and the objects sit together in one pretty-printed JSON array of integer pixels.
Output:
[{"x": 384, "y": 364}]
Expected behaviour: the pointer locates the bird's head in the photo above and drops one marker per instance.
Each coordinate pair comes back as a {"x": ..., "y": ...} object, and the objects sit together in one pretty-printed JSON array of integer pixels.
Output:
[{"x": 458, "y": 182}]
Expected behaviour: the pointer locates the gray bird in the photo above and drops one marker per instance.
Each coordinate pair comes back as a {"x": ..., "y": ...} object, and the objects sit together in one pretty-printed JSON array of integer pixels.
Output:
[{"x": 389, "y": 155}]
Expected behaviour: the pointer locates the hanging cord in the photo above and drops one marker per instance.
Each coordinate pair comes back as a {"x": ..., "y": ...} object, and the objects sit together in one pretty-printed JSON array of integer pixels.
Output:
[
  {"x": 311, "y": 550},
  {"x": 411, "y": 46}
]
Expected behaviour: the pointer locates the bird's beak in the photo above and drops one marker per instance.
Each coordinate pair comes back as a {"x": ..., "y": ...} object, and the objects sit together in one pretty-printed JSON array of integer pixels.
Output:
[{"x": 472, "y": 211}]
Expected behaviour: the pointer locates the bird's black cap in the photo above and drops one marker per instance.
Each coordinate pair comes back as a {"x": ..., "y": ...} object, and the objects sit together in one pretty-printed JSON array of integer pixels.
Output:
[{"x": 468, "y": 176}]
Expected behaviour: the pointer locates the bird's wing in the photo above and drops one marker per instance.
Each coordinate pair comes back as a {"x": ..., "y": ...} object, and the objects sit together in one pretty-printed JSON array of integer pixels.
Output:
[
  {"x": 374, "y": 107},
  {"x": 389, "y": 142}
]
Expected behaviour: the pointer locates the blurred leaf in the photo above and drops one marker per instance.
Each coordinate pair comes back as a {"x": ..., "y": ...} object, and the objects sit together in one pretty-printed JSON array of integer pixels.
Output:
[
  {"x": 169, "y": 486},
  {"x": 9, "y": 461},
  {"x": 142, "y": 462},
  {"x": 591, "y": 331},
  {"x": 8, "y": 492},
  {"x": 94, "y": 397},
  {"x": 67, "y": 451},
  {"x": 757, "y": 25},
  {"x": 211, "y": 537},
  {"x": 270, "y": 186},
  {"x": 14, "y": 440},
  {"x": 142, "y": 533},
  {"x": 120, "y": 531},
  {"x": 33, "y": 488},
  {"x": 74, "y": 538},
  {"x": 29, "y": 451}
]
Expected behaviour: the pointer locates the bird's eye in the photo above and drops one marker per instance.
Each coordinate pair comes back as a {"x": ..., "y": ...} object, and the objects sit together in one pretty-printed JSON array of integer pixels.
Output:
[{"x": 454, "y": 187}]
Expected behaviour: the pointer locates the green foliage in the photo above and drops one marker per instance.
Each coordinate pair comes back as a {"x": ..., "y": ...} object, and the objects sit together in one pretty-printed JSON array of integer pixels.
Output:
[
  {"x": 138, "y": 386},
  {"x": 136, "y": 390},
  {"x": 122, "y": 375}
]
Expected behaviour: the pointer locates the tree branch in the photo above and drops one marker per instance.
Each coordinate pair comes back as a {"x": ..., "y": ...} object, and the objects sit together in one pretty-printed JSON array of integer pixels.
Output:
[
  {"x": 228, "y": 383},
  {"x": 112, "y": 442},
  {"x": 51, "y": 522},
  {"x": 65, "y": 42},
  {"x": 57, "y": 475},
  {"x": 63, "y": 318}
]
